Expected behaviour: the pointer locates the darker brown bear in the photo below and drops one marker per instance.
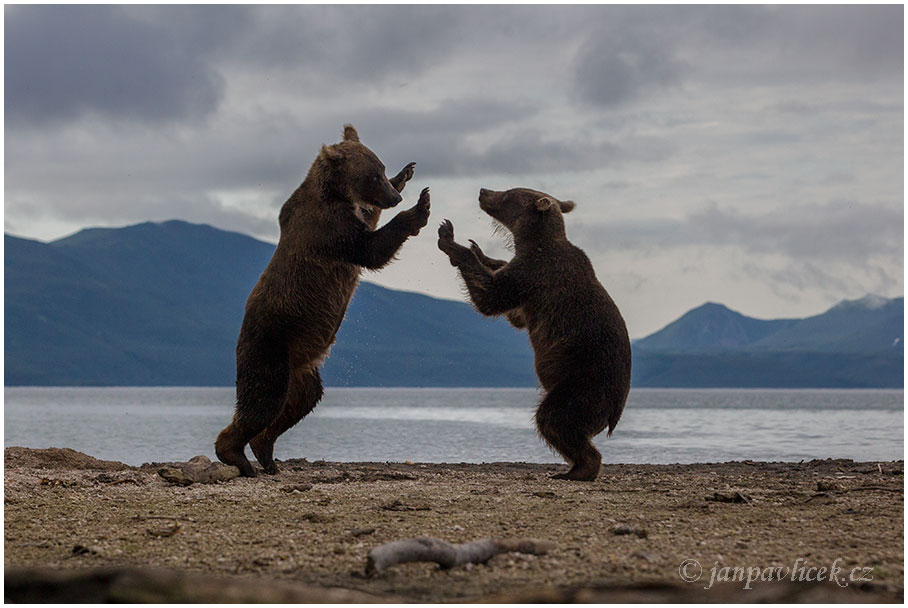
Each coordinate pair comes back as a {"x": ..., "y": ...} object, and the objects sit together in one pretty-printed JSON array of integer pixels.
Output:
[
  {"x": 583, "y": 355},
  {"x": 328, "y": 236}
]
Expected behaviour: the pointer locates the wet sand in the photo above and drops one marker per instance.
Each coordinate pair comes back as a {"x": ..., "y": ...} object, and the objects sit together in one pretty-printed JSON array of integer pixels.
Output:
[{"x": 315, "y": 522}]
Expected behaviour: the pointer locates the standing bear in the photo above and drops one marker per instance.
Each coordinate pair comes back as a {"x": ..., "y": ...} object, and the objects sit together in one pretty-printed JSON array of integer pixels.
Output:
[
  {"x": 328, "y": 235},
  {"x": 583, "y": 354}
]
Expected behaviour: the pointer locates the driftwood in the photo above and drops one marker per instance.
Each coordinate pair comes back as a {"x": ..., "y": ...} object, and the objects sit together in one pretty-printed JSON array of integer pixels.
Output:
[{"x": 448, "y": 555}]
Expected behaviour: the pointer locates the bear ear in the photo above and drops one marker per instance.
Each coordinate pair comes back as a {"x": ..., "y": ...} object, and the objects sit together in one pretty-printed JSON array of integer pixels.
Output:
[
  {"x": 546, "y": 203},
  {"x": 350, "y": 133},
  {"x": 332, "y": 154},
  {"x": 567, "y": 206}
]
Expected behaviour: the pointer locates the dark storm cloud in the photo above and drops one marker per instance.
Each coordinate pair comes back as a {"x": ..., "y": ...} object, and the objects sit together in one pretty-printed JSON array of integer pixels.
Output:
[
  {"x": 631, "y": 52},
  {"x": 520, "y": 152},
  {"x": 64, "y": 62},
  {"x": 168, "y": 62},
  {"x": 462, "y": 137},
  {"x": 367, "y": 41},
  {"x": 448, "y": 118},
  {"x": 530, "y": 152},
  {"x": 649, "y": 50},
  {"x": 349, "y": 43},
  {"x": 614, "y": 68},
  {"x": 839, "y": 41}
]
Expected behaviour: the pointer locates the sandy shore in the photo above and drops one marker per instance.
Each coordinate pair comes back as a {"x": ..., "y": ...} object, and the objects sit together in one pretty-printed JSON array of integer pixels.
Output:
[{"x": 315, "y": 522}]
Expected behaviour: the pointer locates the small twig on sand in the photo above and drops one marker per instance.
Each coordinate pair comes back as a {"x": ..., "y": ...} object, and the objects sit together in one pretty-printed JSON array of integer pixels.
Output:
[
  {"x": 164, "y": 517},
  {"x": 872, "y": 488},
  {"x": 448, "y": 555}
]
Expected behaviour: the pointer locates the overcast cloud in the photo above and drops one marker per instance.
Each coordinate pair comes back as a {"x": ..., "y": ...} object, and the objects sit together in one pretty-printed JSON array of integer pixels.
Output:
[{"x": 746, "y": 155}]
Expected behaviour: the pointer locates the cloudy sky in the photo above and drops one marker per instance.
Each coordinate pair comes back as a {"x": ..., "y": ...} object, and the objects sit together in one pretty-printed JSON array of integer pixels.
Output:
[{"x": 746, "y": 155}]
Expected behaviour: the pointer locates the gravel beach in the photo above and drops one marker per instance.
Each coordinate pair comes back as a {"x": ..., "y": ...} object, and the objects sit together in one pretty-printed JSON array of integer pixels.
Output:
[{"x": 313, "y": 524}]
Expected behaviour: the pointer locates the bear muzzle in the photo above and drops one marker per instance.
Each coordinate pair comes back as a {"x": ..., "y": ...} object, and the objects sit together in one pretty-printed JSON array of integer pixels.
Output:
[
  {"x": 488, "y": 199},
  {"x": 391, "y": 199}
]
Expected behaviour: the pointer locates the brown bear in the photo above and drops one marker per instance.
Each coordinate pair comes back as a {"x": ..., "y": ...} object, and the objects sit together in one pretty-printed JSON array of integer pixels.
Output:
[
  {"x": 583, "y": 354},
  {"x": 328, "y": 235}
]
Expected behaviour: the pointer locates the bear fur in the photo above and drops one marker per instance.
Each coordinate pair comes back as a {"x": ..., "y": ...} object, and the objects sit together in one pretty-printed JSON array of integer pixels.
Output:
[
  {"x": 582, "y": 350},
  {"x": 328, "y": 235}
]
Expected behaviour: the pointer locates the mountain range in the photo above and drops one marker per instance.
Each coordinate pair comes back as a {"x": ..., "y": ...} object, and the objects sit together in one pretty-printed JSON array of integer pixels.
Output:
[
  {"x": 856, "y": 343},
  {"x": 161, "y": 304}
]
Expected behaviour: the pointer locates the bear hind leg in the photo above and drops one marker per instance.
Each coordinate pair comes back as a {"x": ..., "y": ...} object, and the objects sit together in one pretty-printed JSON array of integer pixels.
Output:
[
  {"x": 229, "y": 447},
  {"x": 303, "y": 395},
  {"x": 586, "y": 467},
  {"x": 565, "y": 420},
  {"x": 261, "y": 392}
]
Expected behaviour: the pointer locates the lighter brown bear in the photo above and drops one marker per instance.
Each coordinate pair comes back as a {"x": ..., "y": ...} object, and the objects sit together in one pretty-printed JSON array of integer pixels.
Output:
[{"x": 583, "y": 354}]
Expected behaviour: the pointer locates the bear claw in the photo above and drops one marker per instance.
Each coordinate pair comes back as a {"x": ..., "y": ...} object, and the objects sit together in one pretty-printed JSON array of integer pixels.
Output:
[
  {"x": 405, "y": 175},
  {"x": 446, "y": 230}
]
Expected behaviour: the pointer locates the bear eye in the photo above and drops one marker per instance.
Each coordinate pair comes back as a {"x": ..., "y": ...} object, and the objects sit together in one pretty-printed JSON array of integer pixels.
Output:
[{"x": 375, "y": 178}]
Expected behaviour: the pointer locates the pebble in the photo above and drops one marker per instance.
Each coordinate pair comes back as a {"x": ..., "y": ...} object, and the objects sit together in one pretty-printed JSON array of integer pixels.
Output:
[{"x": 624, "y": 530}]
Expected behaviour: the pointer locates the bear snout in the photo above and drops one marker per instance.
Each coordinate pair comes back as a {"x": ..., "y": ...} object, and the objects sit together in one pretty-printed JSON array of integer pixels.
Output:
[
  {"x": 488, "y": 200},
  {"x": 485, "y": 197},
  {"x": 390, "y": 199}
]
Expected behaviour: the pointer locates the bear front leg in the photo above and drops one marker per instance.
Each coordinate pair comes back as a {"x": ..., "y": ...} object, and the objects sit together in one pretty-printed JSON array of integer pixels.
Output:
[
  {"x": 492, "y": 293},
  {"x": 400, "y": 180},
  {"x": 375, "y": 249},
  {"x": 457, "y": 253},
  {"x": 515, "y": 317},
  {"x": 488, "y": 262}
]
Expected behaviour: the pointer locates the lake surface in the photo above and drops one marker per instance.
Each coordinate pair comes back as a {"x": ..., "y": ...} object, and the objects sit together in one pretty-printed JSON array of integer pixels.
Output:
[{"x": 137, "y": 425}]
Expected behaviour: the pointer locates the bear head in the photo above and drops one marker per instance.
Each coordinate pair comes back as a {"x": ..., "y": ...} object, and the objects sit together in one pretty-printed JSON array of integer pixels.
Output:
[
  {"x": 522, "y": 209},
  {"x": 360, "y": 174}
]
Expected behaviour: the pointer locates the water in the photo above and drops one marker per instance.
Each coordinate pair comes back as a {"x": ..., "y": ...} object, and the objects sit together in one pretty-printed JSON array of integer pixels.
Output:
[{"x": 137, "y": 425}]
